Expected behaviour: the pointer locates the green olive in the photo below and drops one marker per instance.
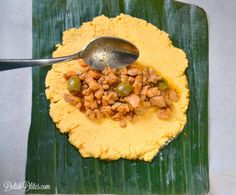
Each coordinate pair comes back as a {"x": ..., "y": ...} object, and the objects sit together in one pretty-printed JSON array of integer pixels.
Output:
[
  {"x": 74, "y": 84},
  {"x": 162, "y": 85},
  {"x": 123, "y": 89}
]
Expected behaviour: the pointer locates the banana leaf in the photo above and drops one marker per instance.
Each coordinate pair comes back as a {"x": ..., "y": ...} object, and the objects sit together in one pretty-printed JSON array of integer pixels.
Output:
[{"x": 181, "y": 167}]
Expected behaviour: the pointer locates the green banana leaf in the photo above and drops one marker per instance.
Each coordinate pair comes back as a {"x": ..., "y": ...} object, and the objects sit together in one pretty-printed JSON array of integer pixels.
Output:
[{"x": 181, "y": 167}]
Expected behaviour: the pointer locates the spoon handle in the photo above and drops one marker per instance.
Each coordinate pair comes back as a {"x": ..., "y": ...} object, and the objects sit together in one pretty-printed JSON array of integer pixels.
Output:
[{"x": 8, "y": 64}]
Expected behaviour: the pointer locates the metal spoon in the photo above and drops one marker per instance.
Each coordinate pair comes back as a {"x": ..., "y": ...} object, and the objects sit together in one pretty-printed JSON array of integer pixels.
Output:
[{"x": 98, "y": 53}]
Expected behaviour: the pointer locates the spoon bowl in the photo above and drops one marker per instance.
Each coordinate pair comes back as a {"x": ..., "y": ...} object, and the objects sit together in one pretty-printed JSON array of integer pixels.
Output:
[{"x": 109, "y": 51}]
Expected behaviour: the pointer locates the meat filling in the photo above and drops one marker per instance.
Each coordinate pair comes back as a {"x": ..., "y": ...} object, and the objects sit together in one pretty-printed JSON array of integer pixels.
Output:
[{"x": 120, "y": 94}]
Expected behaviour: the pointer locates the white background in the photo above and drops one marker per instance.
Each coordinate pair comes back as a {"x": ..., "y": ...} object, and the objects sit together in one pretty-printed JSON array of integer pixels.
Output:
[{"x": 16, "y": 89}]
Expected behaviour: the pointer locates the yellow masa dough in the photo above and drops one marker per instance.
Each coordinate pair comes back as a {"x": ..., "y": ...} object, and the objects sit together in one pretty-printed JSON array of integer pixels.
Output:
[{"x": 105, "y": 139}]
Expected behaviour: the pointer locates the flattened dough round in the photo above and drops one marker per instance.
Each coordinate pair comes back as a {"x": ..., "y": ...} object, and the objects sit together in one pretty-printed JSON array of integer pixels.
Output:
[{"x": 143, "y": 138}]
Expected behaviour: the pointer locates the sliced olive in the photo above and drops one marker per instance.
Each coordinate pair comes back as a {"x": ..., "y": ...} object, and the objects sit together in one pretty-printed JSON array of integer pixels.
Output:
[
  {"x": 123, "y": 89},
  {"x": 74, "y": 84},
  {"x": 162, "y": 85}
]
